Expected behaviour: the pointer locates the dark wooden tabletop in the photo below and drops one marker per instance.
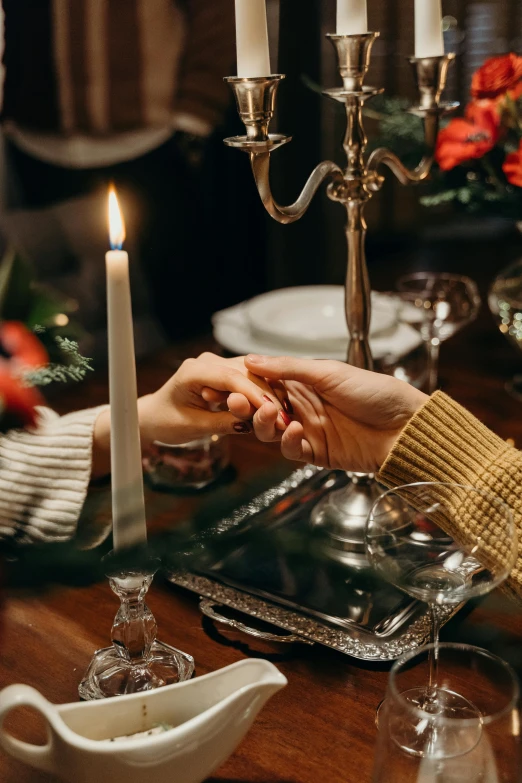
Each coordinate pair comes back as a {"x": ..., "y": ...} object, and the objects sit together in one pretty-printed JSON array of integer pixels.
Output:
[{"x": 321, "y": 727}]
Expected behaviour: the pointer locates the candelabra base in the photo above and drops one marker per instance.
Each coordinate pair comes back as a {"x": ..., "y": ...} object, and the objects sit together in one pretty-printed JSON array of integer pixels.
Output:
[
  {"x": 341, "y": 516},
  {"x": 109, "y": 674},
  {"x": 136, "y": 661}
]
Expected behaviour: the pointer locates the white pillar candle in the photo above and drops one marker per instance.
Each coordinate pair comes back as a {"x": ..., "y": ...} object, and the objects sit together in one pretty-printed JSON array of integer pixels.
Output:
[
  {"x": 352, "y": 17},
  {"x": 429, "y": 41},
  {"x": 253, "y": 57},
  {"x": 128, "y": 505}
]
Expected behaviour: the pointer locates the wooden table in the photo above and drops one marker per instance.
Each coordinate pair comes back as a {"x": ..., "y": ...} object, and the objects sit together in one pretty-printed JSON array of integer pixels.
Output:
[{"x": 321, "y": 727}]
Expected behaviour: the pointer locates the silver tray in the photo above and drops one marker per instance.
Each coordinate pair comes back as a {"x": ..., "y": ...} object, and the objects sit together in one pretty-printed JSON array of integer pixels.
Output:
[{"x": 376, "y": 622}]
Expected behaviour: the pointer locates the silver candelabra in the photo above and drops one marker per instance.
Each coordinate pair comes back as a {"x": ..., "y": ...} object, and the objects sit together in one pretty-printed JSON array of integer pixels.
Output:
[{"x": 343, "y": 513}]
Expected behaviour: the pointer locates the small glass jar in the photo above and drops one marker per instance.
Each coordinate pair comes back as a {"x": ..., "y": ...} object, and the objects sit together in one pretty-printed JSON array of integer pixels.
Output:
[{"x": 194, "y": 465}]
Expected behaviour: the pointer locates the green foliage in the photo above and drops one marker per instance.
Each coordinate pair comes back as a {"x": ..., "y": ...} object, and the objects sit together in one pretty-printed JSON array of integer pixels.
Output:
[
  {"x": 23, "y": 299},
  {"x": 399, "y": 131},
  {"x": 72, "y": 367},
  {"x": 46, "y": 313}
]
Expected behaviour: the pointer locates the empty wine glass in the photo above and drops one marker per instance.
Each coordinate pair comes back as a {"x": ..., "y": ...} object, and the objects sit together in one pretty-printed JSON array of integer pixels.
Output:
[
  {"x": 505, "y": 302},
  {"x": 474, "y": 740},
  {"x": 441, "y": 543},
  {"x": 437, "y": 305}
]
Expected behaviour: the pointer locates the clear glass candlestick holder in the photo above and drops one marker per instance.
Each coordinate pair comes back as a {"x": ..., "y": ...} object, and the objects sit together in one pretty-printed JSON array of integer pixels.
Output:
[{"x": 136, "y": 661}]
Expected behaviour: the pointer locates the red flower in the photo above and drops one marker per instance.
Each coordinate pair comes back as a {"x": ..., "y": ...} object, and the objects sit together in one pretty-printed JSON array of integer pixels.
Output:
[
  {"x": 21, "y": 346},
  {"x": 512, "y": 167},
  {"x": 17, "y": 402},
  {"x": 496, "y": 76},
  {"x": 468, "y": 137}
]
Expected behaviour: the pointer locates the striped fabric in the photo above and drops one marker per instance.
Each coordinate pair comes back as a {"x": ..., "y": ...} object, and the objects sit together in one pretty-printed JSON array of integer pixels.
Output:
[
  {"x": 44, "y": 477},
  {"x": 108, "y": 66}
]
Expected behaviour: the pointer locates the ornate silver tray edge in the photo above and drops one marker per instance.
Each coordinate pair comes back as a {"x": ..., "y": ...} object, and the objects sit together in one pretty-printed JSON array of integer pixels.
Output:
[
  {"x": 371, "y": 648},
  {"x": 312, "y": 630}
]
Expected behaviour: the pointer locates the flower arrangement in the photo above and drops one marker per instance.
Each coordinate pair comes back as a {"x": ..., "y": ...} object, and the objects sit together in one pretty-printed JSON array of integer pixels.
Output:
[
  {"x": 479, "y": 155},
  {"x": 487, "y": 141}
]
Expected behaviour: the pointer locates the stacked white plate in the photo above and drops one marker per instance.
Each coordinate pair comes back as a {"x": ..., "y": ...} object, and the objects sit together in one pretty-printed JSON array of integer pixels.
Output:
[{"x": 309, "y": 322}]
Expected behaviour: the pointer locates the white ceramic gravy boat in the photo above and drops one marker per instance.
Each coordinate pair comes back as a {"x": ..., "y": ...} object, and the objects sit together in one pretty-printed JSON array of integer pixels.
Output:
[{"x": 209, "y": 715}]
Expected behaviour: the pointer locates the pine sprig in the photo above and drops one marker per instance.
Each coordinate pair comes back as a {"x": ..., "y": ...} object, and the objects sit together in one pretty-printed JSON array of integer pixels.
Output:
[{"x": 73, "y": 366}]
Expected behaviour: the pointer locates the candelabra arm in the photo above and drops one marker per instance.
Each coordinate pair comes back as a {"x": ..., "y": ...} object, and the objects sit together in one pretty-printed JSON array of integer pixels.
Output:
[
  {"x": 430, "y": 76},
  {"x": 260, "y": 163},
  {"x": 383, "y": 156},
  {"x": 404, "y": 175}
]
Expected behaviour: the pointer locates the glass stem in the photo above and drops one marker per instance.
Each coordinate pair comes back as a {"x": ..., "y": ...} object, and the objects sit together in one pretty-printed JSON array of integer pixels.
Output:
[
  {"x": 433, "y": 347},
  {"x": 433, "y": 661},
  {"x": 134, "y": 627}
]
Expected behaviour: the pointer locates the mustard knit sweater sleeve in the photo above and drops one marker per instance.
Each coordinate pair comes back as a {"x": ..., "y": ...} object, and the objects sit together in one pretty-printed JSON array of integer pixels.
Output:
[{"x": 444, "y": 442}]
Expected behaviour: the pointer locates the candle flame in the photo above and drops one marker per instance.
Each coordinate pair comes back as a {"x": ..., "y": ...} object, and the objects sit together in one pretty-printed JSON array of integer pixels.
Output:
[{"x": 116, "y": 224}]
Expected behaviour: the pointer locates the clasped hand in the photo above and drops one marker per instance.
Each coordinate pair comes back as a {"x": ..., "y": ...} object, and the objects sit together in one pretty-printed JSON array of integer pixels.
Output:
[{"x": 323, "y": 412}]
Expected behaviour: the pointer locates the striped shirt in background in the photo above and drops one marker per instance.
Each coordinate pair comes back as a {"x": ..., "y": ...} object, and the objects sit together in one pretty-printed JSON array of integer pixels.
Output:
[{"x": 90, "y": 83}]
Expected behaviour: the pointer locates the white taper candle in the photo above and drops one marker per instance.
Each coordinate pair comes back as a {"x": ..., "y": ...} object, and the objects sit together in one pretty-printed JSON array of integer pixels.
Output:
[
  {"x": 253, "y": 57},
  {"x": 128, "y": 505},
  {"x": 429, "y": 41},
  {"x": 352, "y": 17}
]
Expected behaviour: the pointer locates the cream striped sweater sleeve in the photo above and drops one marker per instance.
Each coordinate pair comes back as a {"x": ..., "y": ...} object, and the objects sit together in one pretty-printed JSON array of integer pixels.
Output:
[{"x": 44, "y": 476}]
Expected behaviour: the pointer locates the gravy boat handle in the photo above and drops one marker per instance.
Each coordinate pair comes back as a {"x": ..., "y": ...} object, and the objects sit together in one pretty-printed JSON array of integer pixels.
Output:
[{"x": 39, "y": 756}]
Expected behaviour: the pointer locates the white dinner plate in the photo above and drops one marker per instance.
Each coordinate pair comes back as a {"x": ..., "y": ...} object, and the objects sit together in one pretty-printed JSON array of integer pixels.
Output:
[
  {"x": 231, "y": 330},
  {"x": 312, "y": 315}
]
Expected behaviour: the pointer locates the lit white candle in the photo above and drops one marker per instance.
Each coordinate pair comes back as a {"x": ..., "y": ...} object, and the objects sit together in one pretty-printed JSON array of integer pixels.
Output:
[
  {"x": 352, "y": 17},
  {"x": 128, "y": 506},
  {"x": 429, "y": 41},
  {"x": 253, "y": 57}
]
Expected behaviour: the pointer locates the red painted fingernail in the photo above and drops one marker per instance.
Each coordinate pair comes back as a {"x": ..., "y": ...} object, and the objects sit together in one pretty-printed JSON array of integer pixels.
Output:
[
  {"x": 242, "y": 427},
  {"x": 286, "y": 418},
  {"x": 267, "y": 398},
  {"x": 287, "y": 406}
]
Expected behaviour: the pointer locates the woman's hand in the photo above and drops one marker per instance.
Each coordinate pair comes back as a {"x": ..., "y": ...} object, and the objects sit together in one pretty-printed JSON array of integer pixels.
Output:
[
  {"x": 343, "y": 417},
  {"x": 188, "y": 406}
]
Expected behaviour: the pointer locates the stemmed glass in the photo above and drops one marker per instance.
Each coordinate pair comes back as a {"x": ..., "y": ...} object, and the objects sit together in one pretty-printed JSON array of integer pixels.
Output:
[
  {"x": 476, "y": 742},
  {"x": 505, "y": 302},
  {"x": 443, "y": 544},
  {"x": 437, "y": 305}
]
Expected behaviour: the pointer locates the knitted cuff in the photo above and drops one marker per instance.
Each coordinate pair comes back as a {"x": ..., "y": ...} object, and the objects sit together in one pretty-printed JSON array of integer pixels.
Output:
[
  {"x": 443, "y": 442},
  {"x": 44, "y": 477}
]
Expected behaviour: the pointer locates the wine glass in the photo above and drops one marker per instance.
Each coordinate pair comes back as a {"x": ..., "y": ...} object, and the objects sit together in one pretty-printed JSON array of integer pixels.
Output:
[
  {"x": 437, "y": 305},
  {"x": 440, "y": 543},
  {"x": 474, "y": 740},
  {"x": 505, "y": 302}
]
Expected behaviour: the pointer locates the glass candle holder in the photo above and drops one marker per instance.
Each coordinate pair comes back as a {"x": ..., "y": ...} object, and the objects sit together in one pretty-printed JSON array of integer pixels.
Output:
[
  {"x": 188, "y": 465},
  {"x": 136, "y": 661}
]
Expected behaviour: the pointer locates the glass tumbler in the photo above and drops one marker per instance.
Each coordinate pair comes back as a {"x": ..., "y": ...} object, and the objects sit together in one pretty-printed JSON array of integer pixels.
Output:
[
  {"x": 191, "y": 465},
  {"x": 474, "y": 741}
]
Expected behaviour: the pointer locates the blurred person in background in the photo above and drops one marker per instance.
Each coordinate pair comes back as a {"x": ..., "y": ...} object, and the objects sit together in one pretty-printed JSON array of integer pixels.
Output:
[{"x": 129, "y": 91}]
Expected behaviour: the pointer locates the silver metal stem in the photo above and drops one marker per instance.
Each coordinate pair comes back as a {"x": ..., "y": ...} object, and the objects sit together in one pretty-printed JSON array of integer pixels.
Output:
[
  {"x": 342, "y": 514},
  {"x": 357, "y": 289}
]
